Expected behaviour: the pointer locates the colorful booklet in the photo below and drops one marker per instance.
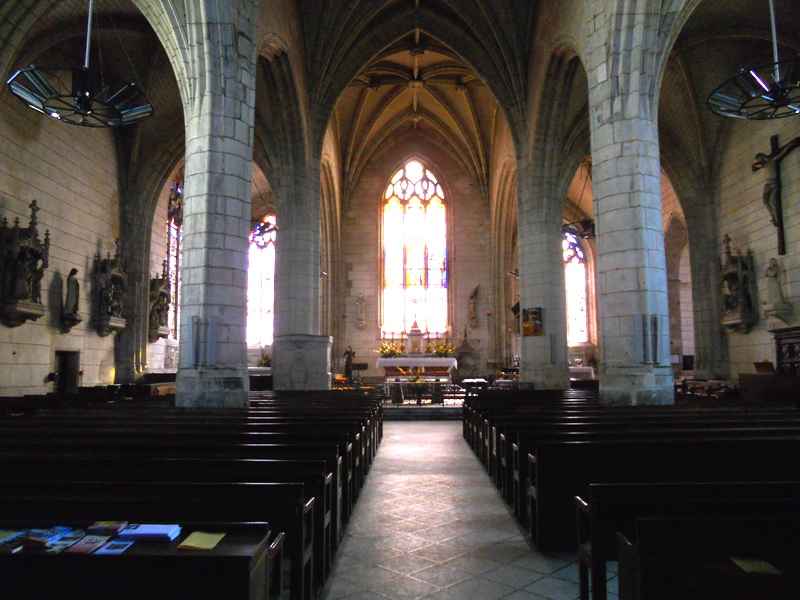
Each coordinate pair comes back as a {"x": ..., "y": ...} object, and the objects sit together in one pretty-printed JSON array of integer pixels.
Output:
[
  {"x": 114, "y": 547},
  {"x": 150, "y": 531},
  {"x": 106, "y": 527},
  {"x": 37, "y": 539},
  {"x": 65, "y": 541},
  {"x": 88, "y": 544}
]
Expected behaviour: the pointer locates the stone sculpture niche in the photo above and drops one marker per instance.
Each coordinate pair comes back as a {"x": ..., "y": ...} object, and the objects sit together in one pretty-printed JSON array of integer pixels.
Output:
[
  {"x": 739, "y": 288},
  {"x": 111, "y": 283},
  {"x": 23, "y": 260},
  {"x": 160, "y": 298}
]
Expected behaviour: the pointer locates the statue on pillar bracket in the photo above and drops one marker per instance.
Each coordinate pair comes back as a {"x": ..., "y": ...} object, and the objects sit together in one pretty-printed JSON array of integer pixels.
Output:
[
  {"x": 159, "y": 298},
  {"x": 739, "y": 307},
  {"x": 111, "y": 281},
  {"x": 23, "y": 260}
]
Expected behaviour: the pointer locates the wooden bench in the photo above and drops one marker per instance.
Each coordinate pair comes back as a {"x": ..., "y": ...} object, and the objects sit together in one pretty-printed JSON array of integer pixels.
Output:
[
  {"x": 283, "y": 505},
  {"x": 245, "y": 565},
  {"x": 692, "y": 559},
  {"x": 613, "y": 507},
  {"x": 559, "y": 471},
  {"x": 312, "y": 474}
]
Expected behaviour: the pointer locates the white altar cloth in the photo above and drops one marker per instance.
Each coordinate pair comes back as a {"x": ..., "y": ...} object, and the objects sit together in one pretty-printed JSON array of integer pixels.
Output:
[{"x": 407, "y": 362}]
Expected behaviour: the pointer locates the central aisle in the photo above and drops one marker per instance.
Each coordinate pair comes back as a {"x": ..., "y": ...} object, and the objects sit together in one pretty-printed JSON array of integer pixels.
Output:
[{"x": 430, "y": 524}]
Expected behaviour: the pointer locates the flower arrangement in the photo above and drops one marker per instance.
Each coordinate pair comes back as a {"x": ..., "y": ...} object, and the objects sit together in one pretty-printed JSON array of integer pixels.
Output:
[
  {"x": 265, "y": 360},
  {"x": 443, "y": 348},
  {"x": 388, "y": 349}
]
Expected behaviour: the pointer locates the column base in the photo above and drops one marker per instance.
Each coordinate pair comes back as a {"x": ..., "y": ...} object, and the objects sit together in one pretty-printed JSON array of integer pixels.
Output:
[
  {"x": 637, "y": 387},
  {"x": 301, "y": 362},
  {"x": 545, "y": 377},
  {"x": 212, "y": 388}
]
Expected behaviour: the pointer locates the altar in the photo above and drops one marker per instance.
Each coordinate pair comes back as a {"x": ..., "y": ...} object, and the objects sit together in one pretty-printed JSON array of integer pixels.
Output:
[
  {"x": 410, "y": 378},
  {"x": 417, "y": 368}
]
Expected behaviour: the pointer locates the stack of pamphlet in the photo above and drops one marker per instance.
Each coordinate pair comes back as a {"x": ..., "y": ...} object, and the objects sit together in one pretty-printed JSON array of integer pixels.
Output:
[{"x": 150, "y": 532}]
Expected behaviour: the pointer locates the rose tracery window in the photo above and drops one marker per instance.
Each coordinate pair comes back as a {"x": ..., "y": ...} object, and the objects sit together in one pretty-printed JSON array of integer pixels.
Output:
[
  {"x": 414, "y": 252},
  {"x": 575, "y": 280}
]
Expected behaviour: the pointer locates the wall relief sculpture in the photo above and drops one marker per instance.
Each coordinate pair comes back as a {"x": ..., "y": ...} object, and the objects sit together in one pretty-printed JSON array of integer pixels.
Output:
[
  {"x": 739, "y": 288},
  {"x": 111, "y": 284},
  {"x": 159, "y": 306},
  {"x": 23, "y": 260}
]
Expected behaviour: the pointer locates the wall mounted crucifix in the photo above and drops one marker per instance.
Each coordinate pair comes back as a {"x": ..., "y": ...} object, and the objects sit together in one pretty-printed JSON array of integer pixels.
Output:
[{"x": 771, "y": 163}]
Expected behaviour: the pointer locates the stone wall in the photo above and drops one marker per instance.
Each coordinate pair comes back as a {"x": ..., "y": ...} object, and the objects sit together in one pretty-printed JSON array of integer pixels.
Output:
[
  {"x": 72, "y": 174},
  {"x": 746, "y": 220}
]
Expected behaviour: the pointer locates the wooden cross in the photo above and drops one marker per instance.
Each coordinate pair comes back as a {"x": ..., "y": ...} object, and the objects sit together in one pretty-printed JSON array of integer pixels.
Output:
[{"x": 771, "y": 163}]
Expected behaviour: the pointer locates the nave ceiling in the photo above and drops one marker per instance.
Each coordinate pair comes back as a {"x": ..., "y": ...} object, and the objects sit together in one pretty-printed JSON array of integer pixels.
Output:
[{"x": 415, "y": 83}]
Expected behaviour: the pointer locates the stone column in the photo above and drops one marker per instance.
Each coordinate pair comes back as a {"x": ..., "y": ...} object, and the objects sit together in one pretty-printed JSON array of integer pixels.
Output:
[
  {"x": 219, "y": 136},
  {"x": 710, "y": 341},
  {"x": 541, "y": 273},
  {"x": 631, "y": 266},
  {"x": 301, "y": 356}
]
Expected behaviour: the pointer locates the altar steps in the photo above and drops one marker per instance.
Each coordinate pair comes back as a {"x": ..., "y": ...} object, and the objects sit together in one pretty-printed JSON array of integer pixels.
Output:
[{"x": 426, "y": 412}]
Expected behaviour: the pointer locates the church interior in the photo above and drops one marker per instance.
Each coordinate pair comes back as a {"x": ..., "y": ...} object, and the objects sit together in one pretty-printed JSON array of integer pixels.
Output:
[{"x": 582, "y": 201}]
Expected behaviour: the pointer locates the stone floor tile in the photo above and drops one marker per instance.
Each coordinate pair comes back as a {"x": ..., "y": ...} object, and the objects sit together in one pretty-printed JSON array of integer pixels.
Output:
[{"x": 430, "y": 524}]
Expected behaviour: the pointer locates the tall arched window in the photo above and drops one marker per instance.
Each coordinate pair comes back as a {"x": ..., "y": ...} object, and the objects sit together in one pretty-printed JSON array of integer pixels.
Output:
[
  {"x": 261, "y": 283},
  {"x": 414, "y": 252},
  {"x": 575, "y": 279},
  {"x": 174, "y": 248}
]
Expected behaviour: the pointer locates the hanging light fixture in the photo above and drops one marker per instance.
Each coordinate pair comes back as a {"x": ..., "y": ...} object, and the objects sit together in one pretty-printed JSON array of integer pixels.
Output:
[
  {"x": 583, "y": 228},
  {"x": 766, "y": 92},
  {"x": 79, "y": 96}
]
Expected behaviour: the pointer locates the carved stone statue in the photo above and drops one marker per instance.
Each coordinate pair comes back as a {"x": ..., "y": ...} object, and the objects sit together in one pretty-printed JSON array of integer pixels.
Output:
[
  {"x": 111, "y": 282},
  {"x": 473, "y": 308},
  {"x": 160, "y": 299},
  {"x": 738, "y": 289},
  {"x": 776, "y": 305},
  {"x": 72, "y": 300},
  {"x": 23, "y": 260},
  {"x": 361, "y": 321},
  {"x": 69, "y": 314}
]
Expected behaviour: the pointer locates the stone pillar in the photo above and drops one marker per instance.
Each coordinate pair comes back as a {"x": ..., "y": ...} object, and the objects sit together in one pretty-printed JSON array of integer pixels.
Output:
[
  {"x": 219, "y": 136},
  {"x": 301, "y": 356},
  {"x": 626, "y": 178},
  {"x": 544, "y": 360},
  {"x": 710, "y": 341}
]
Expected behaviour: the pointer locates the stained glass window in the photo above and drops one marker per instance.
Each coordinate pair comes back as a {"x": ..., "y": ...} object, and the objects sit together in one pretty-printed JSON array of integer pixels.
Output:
[
  {"x": 575, "y": 279},
  {"x": 414, "y": 252},
  {"x": 174, "y": 248},
  {"x": 261, "y": 283}
]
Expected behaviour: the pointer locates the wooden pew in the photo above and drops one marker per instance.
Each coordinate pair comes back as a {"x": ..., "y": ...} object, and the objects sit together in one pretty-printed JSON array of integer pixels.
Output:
[
  {"x": 691, "y": 559},
  {"x": 612, "y": 507},
  {"x": 559, "y": 471},
  {"x": 281, "y": 504},
  {"x": 516, "y": 476},
  {"x": 312, "y": 474},
  {"x": 191, "y": 441},
  {"x": 245, "y": 565}
]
